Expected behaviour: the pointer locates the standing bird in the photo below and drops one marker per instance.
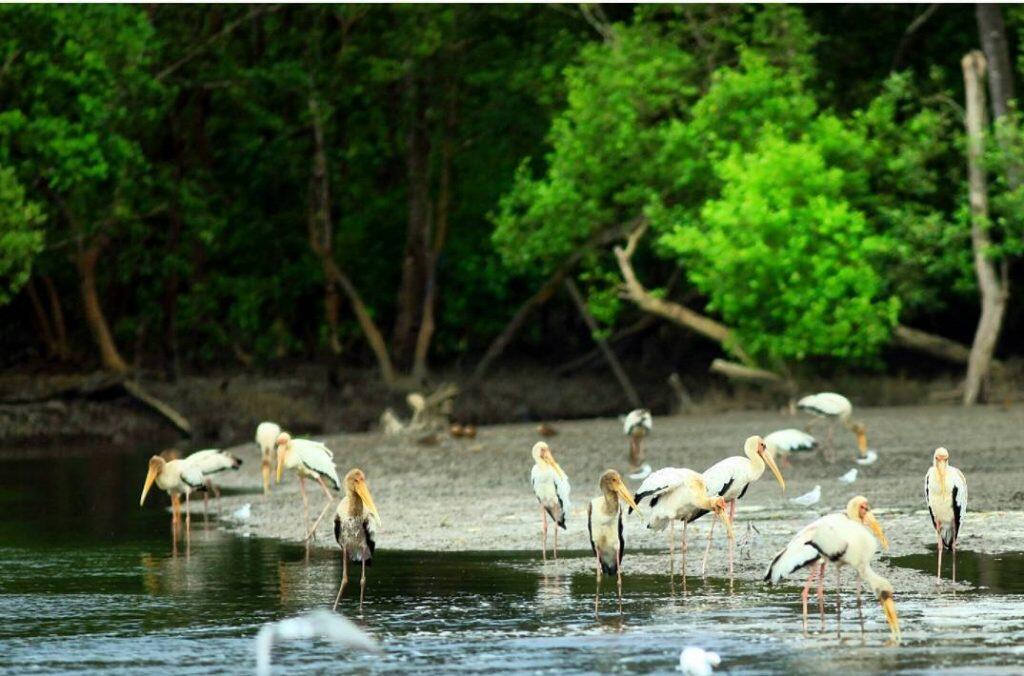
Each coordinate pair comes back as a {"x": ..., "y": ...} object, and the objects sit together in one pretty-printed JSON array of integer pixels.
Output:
[
  {"x": 636, "y": 425},
  {"x": 308, "y": 459},
  {"x": 849, "y": 477},
  {"x": 177, "y": 478},
  {"x": 266, "y": 437},
  {"x": 604, "y": 524},
  {"x": 212, "y": 461},
  {"x": 844, "y": 539},
  {"x": 355, "y": 525},
  {"x": 551, "y": 486},
  {"x": 808, "y": 499},
  {"x": 945, "y": 491},
  {"x": 729, "y": 479},
  {"x": 783, "y": 442},
  {"x": 319, "y": 623},
  {"x": 677, "y": 493},
  {"x": 835, "y": 407}
]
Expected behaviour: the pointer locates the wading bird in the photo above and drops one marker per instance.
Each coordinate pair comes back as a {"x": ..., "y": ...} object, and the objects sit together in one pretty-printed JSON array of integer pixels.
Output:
[
  {"x": 355, "y": 525},
  {"x": 845, "y": 540},
  {"x": 677, "y": 493},
  {"x": 308, "y": 459},
  {"x": 783, "y": 442},
  {"x": 729, "y": 479},
  {"x": 636, "y": 425},
  {"x": 212, "y": 461},
  {"x": 808, "y": 499},
  {"x": 266, "y": 437},
  {"x": 833, "y": 407},
  {"x": 551, "y": 486},
  {"x": 945, "y": 491},
  {"x": 318, "y": 623},
  {"x": 177, "y": 478},
  {"x": 849, "y": 477},
  {"x": 604, "y": 524}
]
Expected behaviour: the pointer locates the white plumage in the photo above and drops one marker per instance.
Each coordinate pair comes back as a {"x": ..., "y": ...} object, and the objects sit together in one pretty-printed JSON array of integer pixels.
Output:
[
  {"x": 176, "y": 478},
  {"x": 641, "y": 473},
  {"x": 945, "y": 491},
  {"x": 869, "y": 458},
  {"x": 637, "y": 421},
  {"x": 849, "y": 477},
  {"x": 266, "y": 438},
  {"x": 695, "y": 661},
  {"x": 243, "y": 513},
  {"x": 318, "y": 623},
  {"x": 307, "y": 458},
  {"x": 213, "y": 461},
  {"x": 604, "y": 526},
  {"x": 551, "y": 486},
  {"x": 783, "y": 442},
  {"x": 827, "y": 405},
  {"x": 808, "y": 499}
]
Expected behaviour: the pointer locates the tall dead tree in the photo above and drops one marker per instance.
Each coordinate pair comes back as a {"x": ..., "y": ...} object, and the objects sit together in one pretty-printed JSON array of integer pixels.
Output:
[
  {"x": 992, "y": 280},
  {"x": 992, "y": 31}
]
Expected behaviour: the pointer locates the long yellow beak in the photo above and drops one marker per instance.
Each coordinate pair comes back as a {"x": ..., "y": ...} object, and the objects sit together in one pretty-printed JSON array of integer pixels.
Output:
[
  {"x": 871, "y": 522},
  {"x": 554, "y": 465},
  {"x": 265, "y": 469},
  {"x": 862, "y": 443},
  {"x": 889, "y": 608},
  {"x": 363, "y": 491},
  {"x": 623, "y": 492},
  {"x": 770, "y": 461},
  {"x": 723, "y": 514},
  {"x": 280, "y": 464},
  {"x": 150, "y": 478}
]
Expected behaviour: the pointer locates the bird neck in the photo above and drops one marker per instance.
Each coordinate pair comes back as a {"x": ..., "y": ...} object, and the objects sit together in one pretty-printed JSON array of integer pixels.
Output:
[
  {"x": 355, "y": 503},
  {"x": 873, "y": 579},
  {"x": 756, "y": 464},
  {"x": 611, "y": 501}
]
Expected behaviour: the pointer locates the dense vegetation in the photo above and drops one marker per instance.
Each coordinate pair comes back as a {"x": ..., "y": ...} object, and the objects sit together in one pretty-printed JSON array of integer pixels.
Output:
[{"x": 183, "y": 186}]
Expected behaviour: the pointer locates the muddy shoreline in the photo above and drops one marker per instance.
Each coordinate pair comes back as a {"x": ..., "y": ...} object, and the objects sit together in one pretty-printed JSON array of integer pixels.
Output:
[{"x": 475, "y": 495}]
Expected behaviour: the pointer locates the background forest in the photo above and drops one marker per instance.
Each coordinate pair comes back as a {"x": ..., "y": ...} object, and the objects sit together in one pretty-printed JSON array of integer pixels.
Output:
[{"x": 420, "y": 190}]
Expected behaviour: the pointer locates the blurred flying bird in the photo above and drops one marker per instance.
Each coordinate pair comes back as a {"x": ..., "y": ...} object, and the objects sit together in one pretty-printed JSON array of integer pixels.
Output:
[
  {"x": 808, "y": 499},
  {"x": 945, "y": 491},
  {"x": 849, "y": 477},
  {"x": 695, "y": 661},
  {"x": 318, "y": 623}
]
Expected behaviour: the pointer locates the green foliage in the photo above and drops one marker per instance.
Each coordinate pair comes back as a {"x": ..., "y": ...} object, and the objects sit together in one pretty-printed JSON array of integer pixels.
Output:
[{"x": 21, "y": 237}]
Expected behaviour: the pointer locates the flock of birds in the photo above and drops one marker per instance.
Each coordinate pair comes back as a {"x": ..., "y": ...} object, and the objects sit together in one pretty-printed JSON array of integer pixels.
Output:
[{"x": 847, "y": 539}]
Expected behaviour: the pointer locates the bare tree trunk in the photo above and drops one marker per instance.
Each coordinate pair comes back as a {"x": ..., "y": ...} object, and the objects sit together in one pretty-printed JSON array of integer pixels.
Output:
[
  {"x": 992, "y": 32},
  {"x": 993, "y": 291},
  {"x": 609, "y": 355},
  {"x": 41, "y": 320},
  {"x": 60, "y": 333},
  {"x": 86, "y": 261},
  {"x": 321, "y": 229},
  {"x": 373, "y": 335}
]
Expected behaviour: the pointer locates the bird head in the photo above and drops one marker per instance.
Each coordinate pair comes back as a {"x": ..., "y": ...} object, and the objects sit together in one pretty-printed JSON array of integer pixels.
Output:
[
  {"x": 284, "y": 445},
  {"x": 355, "y": 482},
  {"x": 859, "y": 510},
  {"x": 755, "y": 446},
  {"x": 542, "y": 455},
  {"x": 612, "y": 484},
  {"x": 156, "y": 465},
  {"x": 861, "y": 431},
  {"x": 884, "y": 592}
]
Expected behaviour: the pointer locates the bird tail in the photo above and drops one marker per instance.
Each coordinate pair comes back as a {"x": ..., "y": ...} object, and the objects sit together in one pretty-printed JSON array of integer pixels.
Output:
[
  {"x": 946, "y": 533},
  {"x": 609, "y": 564}
]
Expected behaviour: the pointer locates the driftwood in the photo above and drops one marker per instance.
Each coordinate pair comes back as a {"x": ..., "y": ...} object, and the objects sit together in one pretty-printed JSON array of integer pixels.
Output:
[{"x": 736, "y": 371}]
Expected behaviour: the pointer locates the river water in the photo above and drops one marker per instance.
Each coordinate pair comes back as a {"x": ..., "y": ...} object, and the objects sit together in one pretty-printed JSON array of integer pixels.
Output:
[{"x": 89, "y": 583}]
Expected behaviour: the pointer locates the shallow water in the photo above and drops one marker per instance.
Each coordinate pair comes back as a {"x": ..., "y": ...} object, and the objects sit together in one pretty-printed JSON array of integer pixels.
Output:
[{"x": 89, "y": 583}]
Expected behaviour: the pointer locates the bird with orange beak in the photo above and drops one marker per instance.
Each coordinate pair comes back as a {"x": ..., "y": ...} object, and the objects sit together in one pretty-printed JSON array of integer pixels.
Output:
[
  {"x": 729, "y": 479},
  {"x": 945, "y": 491},
  {"x": 551, "y": 486},
  {"x": 604, "y": 524},
  {"x": 355, "y": 529},
  {"x": 176, "y": 478},
  {"x": 846, "y": 539}
]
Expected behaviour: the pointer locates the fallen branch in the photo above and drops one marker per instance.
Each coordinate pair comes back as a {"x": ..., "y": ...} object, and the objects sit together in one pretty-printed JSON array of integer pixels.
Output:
[
  {"x": 178, "y": 420},
  {"x": 736, "y": 371},
  {"x": 929, "y": 343}
]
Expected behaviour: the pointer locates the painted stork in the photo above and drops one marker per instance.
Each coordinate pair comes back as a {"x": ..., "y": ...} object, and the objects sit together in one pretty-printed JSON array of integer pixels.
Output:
[
  {"x": 308, "y": 459},
  {"x": 266, "y": 438},
  {"x": 783, "y": 442},
  {"x": 177, "y": 478},
  {"x": 355, "y": 526},
  {"x": 604, "y": 524},
  {"x": 945, "y": 491},
  {"x": 677, "y": 493},
  {"x": 551, "y": 486},
  {"x": 845, "y": 539},
  {"x": 319, "y": 623},
  {"x": 636, "y": 425},
  {"x": 729, "y": 479},
  {"x": 212, "y": 461},
  {"x": 833, "y": 407}
]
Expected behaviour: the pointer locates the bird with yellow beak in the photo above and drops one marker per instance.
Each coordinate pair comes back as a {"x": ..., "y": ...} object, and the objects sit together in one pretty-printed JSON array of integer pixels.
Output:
[
  {"x": 355, "y": 528},
  {"x": 176, "y": 478},
  {"x": 604, "y": 524},
  {"x": 551, "y": 486}
]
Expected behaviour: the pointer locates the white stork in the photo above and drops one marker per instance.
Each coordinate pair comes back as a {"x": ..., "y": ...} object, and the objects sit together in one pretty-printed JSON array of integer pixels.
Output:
[
  {"x": 844, "y": 539},
  {"x": 308, "y": 459},
  {"x": 945, "y": 491},
  {"x": 783, "y": 442},
  {"x": 677, "y": 493},
  {"x": 355, "y": 527},
  {"x": 833, "y": 407},
  {"x": 729, "y": 479},
  {"x": 212, "y": 461},
  {"x": 604, "y": 524},
  {"x": 636, "y": 425},
  {"x": 177, "y": 478},
  {"x": 266, "y": 438},
  {"x": 551, "y": 486}
]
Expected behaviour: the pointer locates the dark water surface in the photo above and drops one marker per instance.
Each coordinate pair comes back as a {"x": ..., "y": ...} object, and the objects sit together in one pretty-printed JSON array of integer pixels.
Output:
[{"x": 89, "y": 583}]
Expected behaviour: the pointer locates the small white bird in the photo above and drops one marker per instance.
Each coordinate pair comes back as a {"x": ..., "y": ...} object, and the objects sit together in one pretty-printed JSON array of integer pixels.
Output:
[
  {"x": 849, "y": 477},
  {"x": 243, "y": 513},
  {"x": 808, "y": 499},
  {"x": 695, "y": 661},
  {"x": 869, "y": 458},
  {"x": 318, "y": 623},
  {"x": 641, "y": 473}
]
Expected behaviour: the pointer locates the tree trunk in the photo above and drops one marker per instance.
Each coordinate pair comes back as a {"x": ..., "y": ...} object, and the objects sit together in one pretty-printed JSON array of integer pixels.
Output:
[
  {"x": 60, "y": 333},
  {"x": 931, "y": 344},
  {"x": 42, "y": 321},
  {"x": 993, "y": 292},
  {"x": 321, "y": 229},
  {"x": 417, "y": 241},
  {"x": 992, "y": 32},
  {"x": 373, "y": 335},
  {"x": 86, "y": 261}
]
